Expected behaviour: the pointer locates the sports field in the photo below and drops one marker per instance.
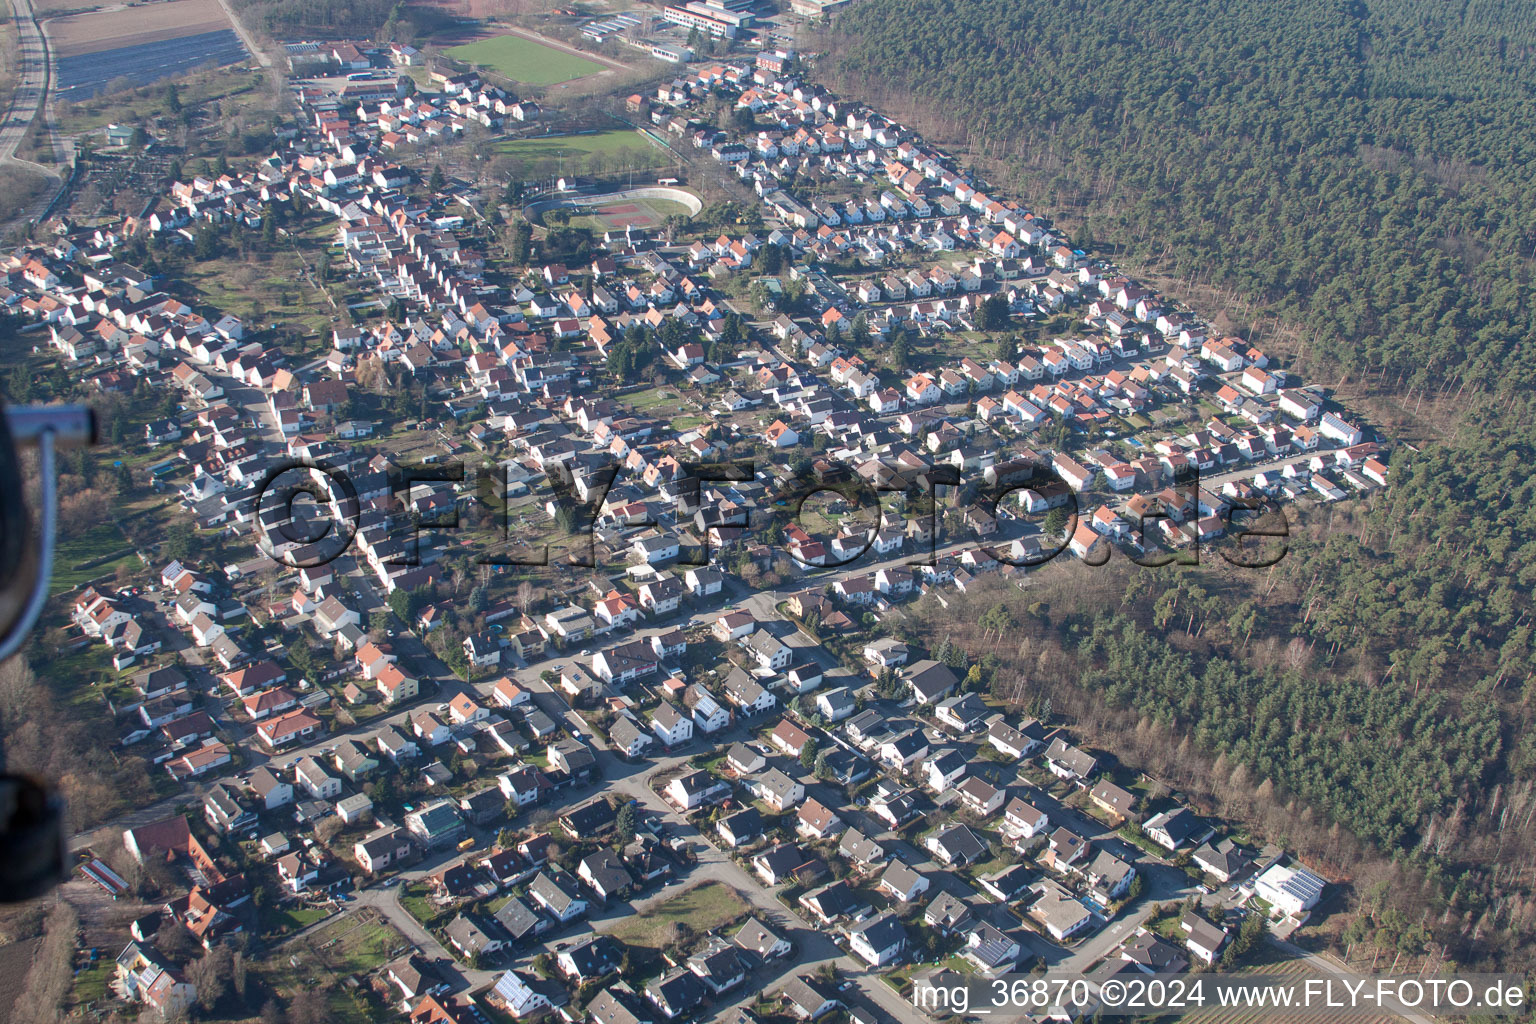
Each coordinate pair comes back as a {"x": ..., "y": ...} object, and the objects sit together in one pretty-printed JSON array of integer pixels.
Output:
[
  {"x": 567, "y": 146},
  {"x": 629, "y": 213},
  {"x": 525, "y": 60}
]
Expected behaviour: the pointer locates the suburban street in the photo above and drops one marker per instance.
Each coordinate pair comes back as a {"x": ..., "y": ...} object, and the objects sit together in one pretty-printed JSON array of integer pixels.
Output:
[
  {"x": 634, "y": 780},
  {"x": 630, "y": 780}
]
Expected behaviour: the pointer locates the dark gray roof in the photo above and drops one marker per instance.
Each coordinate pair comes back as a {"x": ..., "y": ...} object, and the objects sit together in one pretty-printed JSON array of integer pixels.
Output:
[
  {"x": 882, "y": 931},
  {"x": 471, "y": 934},
  {"x": 744, "y": 824},
  {"x": 1179, "y": 824},
  {"x": 555, "y": 892},
  {"x": 900, "y": 876},
  {"x": 1223, "y": 854},
  {"x": 1154, "y": 954},
  {"x": 679, "y": 991},
  {"x": 607, "y": 871},
  {"x": 518, "y": 918},
  {"x": 960, "y": 843},
  {"x": 833, "y": 900},
  {"x": 930, "y": 679}
]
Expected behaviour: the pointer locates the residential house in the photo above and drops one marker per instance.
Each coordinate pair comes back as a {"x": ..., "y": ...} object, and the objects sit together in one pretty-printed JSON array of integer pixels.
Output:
[{"x": 878, "y": 941}]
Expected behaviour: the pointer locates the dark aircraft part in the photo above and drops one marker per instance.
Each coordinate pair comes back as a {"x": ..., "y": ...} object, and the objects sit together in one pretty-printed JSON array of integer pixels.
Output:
[{"x": 32, "y": 855}]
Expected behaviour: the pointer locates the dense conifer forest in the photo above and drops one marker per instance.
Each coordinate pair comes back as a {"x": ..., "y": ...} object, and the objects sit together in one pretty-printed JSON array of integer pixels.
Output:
[
  {"x": 1359, "y": 173},
  {"x": 344, "y": 19}
]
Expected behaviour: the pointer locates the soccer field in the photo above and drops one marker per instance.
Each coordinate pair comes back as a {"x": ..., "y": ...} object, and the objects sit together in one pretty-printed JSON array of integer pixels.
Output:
[
  {"x": 579, "y": 145},
  {"x": 525, "y": 60},
  {"x": 635, "y": 213}
]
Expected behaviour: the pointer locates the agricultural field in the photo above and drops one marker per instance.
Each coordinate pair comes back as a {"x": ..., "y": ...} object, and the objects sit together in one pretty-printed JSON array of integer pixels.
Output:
[
  {"x": 95, "y": 31},
  {"x": 238, "y": 97},
  {"x": 140, "y": 44},
  {"x": 525, "y": 60},
  {"x": 1270, "y": 963}
]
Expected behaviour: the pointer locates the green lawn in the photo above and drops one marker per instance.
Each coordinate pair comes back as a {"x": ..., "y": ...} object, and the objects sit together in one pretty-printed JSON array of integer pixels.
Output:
[
  {"x": 1166, "y": 925},
  {"x": 90, "y": 984},
  {"x": 586, "y": 144},
  {"x": 704, "y": 908},
  {"x": 653, "y": 398},
  {"x": 294, "y": 917},
  {"x": 959, "y": 964},
  {"x": 524, "y": 60},
  {"x": 74, "y": 554},
  {"x": 414, "y": 899},
  {"x": 709, "y": 764}
]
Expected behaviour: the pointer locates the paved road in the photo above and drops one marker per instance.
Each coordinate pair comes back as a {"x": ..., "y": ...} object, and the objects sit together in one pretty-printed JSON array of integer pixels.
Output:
[
  {"x": 245, "y": 36},
  {"x": 387, "y": 903},
  {"x": 813, "y": 944},
  {"x": 33, "y": 81},
  {"x": 253, "y": 403},
  {"x": 1215, "y": 481}
]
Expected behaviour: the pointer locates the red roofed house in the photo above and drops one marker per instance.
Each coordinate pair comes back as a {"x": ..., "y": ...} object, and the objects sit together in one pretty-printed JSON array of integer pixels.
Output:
[
  {"x": 270, "y": 702},
  {"x": 259, "y": 675},
  {"x": 781, "y": 435},
  {"x": 789, "y": 737},
  {"x": 508, "y": 694},
  {"x": 395, "y": 686},
  {"x": 165, "y": 840},
  {"x": 288, "y": 728}
]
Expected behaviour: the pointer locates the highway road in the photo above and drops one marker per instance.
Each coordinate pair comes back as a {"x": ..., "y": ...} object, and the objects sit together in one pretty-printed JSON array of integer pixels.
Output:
[
  {"x": 29, "y": 103},
  {"x": 32, "y": 81}
]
